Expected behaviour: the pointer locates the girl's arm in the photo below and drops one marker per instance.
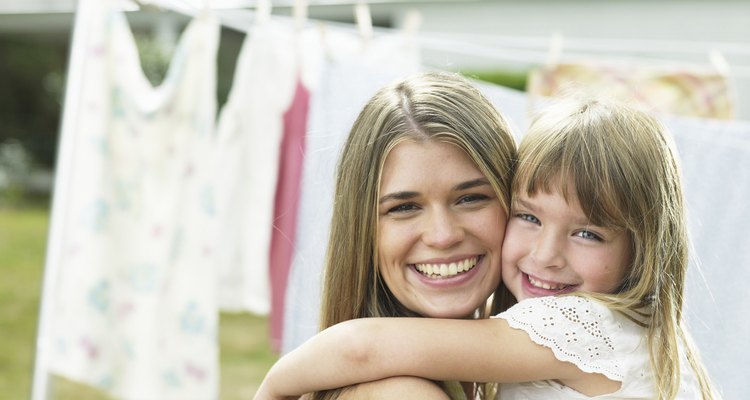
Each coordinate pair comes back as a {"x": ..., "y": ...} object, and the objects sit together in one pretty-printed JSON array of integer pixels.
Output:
[{"x": 364, "y": 350}]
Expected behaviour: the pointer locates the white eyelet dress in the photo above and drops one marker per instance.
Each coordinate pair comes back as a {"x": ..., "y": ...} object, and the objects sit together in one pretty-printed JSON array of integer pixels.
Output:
[{"x": 594, "y": 338}]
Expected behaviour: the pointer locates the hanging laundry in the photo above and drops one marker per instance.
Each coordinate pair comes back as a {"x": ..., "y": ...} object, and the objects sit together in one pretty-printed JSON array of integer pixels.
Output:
[
  {"x": 250, "y": 130},
  {"x": 675, "y": 90},
  {"x": 261, "y": 148},
  {"x": 715, "y": 159},
  {"x": 133, "y": 307},
  {"x": 715, "y": 163},
  {"x": 286, "y": 206},
  {"x": 350, "y": 73},
  {"x": 309, "y": 57}
]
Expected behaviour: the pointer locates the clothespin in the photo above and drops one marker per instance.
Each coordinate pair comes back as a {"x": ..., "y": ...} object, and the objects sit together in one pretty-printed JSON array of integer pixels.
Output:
[
  {"x": 412, "y": 22},
  {"x": 364, "y": 19},
  {"x": 130, "y": 5},
  {"x": 263, "y": 11},
  {"x": 299, "y": 13},
  {"x": 554, "y": 54},
  {"x": 719, "y": 62},
  {"x": 141, "y": 5}
]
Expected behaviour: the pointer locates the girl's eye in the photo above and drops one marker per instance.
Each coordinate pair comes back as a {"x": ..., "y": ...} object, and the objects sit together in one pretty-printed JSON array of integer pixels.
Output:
[
  {"x": 589, "y": 235},
  {"x": 529, "y": 218}
]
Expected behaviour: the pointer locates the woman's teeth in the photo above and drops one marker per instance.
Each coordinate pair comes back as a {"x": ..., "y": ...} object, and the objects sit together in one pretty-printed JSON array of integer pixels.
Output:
[
  {"x": 447, "y": 270},
  {"x": 546, "y": 285}
]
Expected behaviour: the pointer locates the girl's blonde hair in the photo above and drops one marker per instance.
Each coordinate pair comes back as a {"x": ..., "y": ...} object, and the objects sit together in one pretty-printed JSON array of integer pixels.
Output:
[
  {"x": 622, "y": 166},
  {"x": 425, "y": 107}
]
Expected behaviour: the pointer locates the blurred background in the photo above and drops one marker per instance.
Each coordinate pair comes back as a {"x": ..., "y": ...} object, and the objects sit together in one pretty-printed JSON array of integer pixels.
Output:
[{"x": 502, "y": 43}]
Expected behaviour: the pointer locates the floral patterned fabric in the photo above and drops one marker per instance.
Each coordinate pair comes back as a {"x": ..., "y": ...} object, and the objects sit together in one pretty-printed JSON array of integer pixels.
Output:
[
  {"x": 133, "y": 308},
  {"x": 673, "y": 90}
]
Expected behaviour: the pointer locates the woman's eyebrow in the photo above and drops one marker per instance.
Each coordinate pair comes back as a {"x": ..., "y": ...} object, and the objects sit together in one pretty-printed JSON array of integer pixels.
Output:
[
  {"x": 471, "y": 184},
  {"x": 398, "y": 196},
  {"x": 406, "y": 195}
]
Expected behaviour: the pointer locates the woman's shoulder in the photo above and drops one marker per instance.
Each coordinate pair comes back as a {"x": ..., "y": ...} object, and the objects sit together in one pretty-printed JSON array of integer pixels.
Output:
[{"x": 402, "y": 387}]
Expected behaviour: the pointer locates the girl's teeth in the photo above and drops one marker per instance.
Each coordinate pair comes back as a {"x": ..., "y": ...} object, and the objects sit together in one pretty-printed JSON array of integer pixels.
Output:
[
  {"x": 447, "y": 270},
  {"x": 545, "y": 285}
]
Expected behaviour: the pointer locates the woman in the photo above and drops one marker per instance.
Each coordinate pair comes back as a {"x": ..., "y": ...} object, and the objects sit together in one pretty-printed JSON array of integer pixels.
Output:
[{"x": 422, "y": 197}]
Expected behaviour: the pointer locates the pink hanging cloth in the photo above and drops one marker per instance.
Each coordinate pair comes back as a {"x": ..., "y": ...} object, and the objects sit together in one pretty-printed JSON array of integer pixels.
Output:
[{"x": 286, "y": 206}]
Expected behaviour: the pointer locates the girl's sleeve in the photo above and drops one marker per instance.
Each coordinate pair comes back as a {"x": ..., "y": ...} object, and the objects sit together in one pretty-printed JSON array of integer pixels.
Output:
[{"x": 578, "y": 330}]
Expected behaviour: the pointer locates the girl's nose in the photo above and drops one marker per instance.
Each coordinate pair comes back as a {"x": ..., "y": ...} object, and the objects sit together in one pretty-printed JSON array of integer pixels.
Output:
[
  {"x": 442, "y": 230},
  {"x": 547, "y": 250}
]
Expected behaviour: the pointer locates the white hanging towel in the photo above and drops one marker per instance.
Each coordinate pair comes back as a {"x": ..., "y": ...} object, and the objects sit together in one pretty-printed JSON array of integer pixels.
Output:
[
  {"x": 715, "y": 159},
  {"x": 351, "y": 71},
  {"x": 249, "y": 138},
  {"x": 134, "y": 310}
]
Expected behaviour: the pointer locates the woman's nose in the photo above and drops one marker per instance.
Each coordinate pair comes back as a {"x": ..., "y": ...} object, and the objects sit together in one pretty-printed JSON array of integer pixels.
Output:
[{"x": 442, "y": 230}]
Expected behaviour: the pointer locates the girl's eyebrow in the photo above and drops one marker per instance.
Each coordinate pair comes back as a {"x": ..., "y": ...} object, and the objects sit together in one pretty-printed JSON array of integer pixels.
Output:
[
  {"x": 529, "y": 206},
  {"x": 523, "y": 203},
  {"x": 406, "y": 195}
]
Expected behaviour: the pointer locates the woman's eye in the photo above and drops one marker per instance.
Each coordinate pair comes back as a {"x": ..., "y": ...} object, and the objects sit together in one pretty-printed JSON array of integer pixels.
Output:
[
  {"x": 589, "y": 235},
  {"x": 529, "y": 218},
  {"x": 472, "y": 198},
  {"x": 402, "y": 208}
]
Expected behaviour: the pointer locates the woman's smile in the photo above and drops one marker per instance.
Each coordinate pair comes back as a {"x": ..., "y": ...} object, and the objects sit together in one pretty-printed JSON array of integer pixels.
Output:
[
  {"x": 446, "y": 269},
  {"x": 440, "y": 230}
]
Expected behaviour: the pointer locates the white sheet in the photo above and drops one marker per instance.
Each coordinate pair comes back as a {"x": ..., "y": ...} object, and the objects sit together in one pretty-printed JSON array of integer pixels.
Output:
[
  {"x": 716, "y": 170},
  {"x": 134, "y": 311},
  {"x": 350, "y": 75}
]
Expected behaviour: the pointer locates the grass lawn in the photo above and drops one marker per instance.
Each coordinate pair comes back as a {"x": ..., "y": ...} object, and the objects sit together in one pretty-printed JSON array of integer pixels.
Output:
[{"x": 244, "y": 346}]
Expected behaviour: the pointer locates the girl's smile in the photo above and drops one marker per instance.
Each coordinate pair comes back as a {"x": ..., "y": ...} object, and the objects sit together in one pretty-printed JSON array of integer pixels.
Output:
[
  {"x": 539, "y": 287},
  {"x": 552, "y": 248}
]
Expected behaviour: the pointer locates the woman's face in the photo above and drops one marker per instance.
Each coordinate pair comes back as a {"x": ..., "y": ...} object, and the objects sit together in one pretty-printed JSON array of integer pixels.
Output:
[{"x": 440, "y": 230}]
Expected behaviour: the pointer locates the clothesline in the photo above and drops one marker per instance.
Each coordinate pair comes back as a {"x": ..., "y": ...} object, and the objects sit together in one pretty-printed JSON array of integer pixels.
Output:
[
  {"x": 607, "y": 44},
  {"x": 661, "y": 46},
  {"x": 240, "y": 4},
  {"x": 526, "y": 51},
  {"x": 533, "y": 57}
]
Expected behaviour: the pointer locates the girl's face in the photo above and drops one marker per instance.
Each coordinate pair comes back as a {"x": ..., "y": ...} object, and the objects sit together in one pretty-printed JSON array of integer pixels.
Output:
[
  {"x": 440, "y": 230},
  {"x": 551, "y": 248}
]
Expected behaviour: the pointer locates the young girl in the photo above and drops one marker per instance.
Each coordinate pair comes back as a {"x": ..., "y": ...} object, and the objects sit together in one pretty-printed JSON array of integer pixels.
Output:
[{"x": 596, "y": 253}]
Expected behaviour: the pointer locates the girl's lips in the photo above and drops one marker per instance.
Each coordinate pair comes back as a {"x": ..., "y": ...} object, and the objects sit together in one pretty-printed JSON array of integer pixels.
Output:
[{"x": 536, "y": 287}]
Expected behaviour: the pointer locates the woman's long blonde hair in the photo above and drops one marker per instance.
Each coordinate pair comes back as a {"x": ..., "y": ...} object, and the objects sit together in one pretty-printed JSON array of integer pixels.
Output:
[
  {"x": 424, "y": 107},
  {"x": 623, "y": 168}
]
